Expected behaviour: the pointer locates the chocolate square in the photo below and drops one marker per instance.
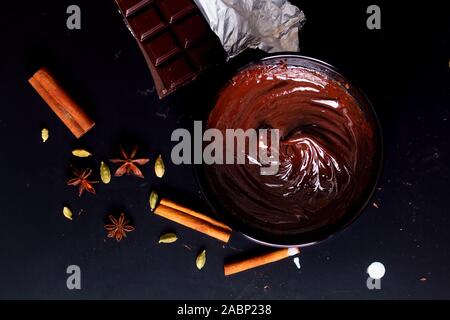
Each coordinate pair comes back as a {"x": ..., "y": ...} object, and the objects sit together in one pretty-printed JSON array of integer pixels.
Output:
[{"x": 174, "y": 38}]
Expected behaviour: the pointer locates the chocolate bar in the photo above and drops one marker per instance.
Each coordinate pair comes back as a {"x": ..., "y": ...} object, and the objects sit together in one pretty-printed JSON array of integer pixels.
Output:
[{"x": 174, "y": 38}]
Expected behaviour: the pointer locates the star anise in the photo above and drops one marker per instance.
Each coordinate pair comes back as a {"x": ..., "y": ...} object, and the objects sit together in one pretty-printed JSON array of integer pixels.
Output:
[
  {"x": 129, "y": 164},
  {"x": 81, "y": 180},
  {"x": 118, "y": 228}
]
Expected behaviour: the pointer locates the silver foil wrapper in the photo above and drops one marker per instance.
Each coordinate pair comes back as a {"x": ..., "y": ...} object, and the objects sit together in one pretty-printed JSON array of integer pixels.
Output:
[{"x": 270, "y": 25}]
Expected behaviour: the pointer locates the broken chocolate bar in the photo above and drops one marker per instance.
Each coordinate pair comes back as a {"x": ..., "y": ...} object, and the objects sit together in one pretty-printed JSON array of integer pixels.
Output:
[{"x": 174, "y": 38}]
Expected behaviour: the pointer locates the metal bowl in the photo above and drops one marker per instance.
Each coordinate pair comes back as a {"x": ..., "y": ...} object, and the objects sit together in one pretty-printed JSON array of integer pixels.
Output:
[{"x": 316, "y": 235}]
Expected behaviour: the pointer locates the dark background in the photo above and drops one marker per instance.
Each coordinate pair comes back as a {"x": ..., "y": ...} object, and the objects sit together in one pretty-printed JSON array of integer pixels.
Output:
[{"x": 403, "y": 68}]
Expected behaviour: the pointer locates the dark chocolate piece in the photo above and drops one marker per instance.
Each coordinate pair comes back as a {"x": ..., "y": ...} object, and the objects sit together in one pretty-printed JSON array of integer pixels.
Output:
[
  {"x": 183, "y": 30},
  {"x": 145, "y": 23},
  {"x": 176, "y": 9},
  {"x": 161, "y": 48},
  {"x": 174, "y": 38},
  {"x": 128, "y": 7}
]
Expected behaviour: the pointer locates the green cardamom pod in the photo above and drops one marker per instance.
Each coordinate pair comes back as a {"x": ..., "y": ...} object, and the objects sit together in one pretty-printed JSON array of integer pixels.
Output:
[
  {"x": 201, "y": 260},
  {"x": 105, "y": 173},
  {"x": 168, "y": 238},
  {"x": 160, "y": 168},
  {"x": 81, "y": 153},
  {"x": 153, "y": 200},
  {"x": 44, "y": 134},
  {"x": 67, "y": 213}
]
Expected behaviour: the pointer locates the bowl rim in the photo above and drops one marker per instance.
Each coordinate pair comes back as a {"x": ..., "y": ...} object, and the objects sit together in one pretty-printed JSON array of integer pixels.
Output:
[{"x": 347, "y": 219}]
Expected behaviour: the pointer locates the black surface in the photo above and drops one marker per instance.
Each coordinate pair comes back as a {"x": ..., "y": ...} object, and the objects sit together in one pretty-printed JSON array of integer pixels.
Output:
[{"x": 403, "y": 68}]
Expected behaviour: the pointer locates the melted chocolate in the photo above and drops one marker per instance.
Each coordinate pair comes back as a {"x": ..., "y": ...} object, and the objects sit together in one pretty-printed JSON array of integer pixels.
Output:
[{"x": 329, "y": 149}]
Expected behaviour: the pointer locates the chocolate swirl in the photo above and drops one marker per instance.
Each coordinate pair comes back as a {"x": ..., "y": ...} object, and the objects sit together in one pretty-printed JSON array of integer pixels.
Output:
[{"x": 327, "y": 153}]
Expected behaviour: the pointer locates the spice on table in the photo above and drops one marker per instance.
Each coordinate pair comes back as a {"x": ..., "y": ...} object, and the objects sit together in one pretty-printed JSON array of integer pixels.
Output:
[
  {"x": 81, "y": 180},
  {"x": 201, "y": 260},
  {"x": 67, "y": 213},
  {"x": 194, "y": 222},
  {"x": 118, "y": 228},
  {"x": 253, "y": 262},
  {"x": 81, "y": 153},
  {"x": 105, "y": 173},
  {"x": 129, "y": 164},
  {"x": 168, "y": 238},
  {"x": 153, "y": 200},
  {"x": 70, "y": 113},
  {"x": 44, "y": 134},
  {"x": 169, "y": 203},
  {"x": 160, "y": 168}
]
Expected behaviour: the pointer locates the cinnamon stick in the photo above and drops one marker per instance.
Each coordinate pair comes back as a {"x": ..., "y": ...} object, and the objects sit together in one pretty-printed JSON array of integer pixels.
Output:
[
  {"x": 171, "y": 204},
  {"x": 243, "y": 265},
  {"x": 71, "y": 114},
  {"x": 193, "y": 222}
]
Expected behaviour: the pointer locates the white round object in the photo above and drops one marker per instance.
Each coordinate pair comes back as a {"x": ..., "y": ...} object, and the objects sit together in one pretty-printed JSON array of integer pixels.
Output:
[{"x": 376, "y": 270}]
